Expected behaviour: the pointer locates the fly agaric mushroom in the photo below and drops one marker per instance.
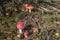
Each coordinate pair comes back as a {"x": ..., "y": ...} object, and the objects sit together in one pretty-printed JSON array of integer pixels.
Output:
[
  {"x": 29, "y": 7},
  {"x": 35, "y": 30},
  {"x": 26, "y": 33},
  {"x": 20, "y": 26}
]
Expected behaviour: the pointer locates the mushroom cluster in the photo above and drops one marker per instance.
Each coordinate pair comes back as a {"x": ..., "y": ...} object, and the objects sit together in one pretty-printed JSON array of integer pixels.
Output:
[{"x": 20, "y": 26}]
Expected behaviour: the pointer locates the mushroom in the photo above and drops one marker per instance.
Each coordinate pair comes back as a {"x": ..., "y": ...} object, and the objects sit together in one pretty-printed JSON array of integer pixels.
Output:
[
  {"x": 20, "y": 26},
  {"x": 35, "y": 30},
  {"x": 26, "y": 33},
  {"x": 18, "y": 35},
  {"x": 29, "y": 7},
  {"x": 26, "y": 5}
]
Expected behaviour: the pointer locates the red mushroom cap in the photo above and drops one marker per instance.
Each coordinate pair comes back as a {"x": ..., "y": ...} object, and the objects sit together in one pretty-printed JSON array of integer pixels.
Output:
[
  {"x": 20, "y": 25},
  {"x": 26, "y": 5},
  {"x": 35, "y": 30},
  {"x": 26, "y": 33},
  {"x": 30, "y": 7}
]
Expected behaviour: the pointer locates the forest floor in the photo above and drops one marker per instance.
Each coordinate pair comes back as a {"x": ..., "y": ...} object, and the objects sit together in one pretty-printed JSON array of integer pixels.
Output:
[{"x": 46, "y": 18}]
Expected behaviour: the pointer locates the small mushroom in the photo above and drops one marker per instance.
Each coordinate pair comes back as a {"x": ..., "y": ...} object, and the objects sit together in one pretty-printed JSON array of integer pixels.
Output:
[
  {"x": 26, "y": 33},
  {"x": 18, "y": 35},
  {"x": 20, "y": 26},
  {"x": 35, "y": 30},
  {"x": 26, "y": 5},
  {"x": 29, "y": 7}
]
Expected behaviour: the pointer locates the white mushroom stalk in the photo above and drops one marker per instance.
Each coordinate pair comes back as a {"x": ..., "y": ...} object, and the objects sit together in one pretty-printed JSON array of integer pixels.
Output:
[
  {"x": 29, "y": 10},
  {"x": 20, "y": 30}
]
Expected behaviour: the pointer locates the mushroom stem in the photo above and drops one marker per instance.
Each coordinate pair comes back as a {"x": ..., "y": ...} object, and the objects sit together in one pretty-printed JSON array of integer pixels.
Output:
[
  {"x": 26, "y": 36},
  {"x": 20, "y": 31},
  {"x": 29, "y": 10}
]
